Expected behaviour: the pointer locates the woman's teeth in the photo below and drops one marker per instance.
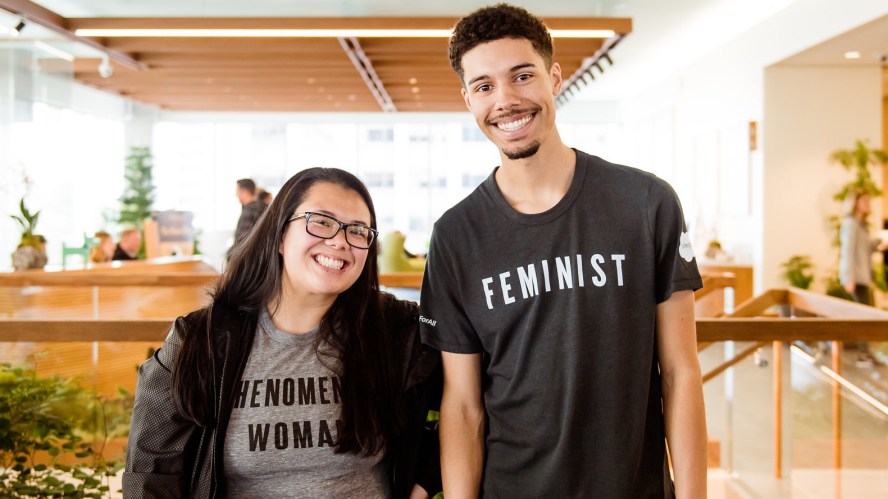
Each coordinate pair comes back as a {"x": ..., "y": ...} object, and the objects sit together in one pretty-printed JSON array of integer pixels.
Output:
[
  {"x": 514, "y": 125},
  {"x": 328, "y": 262}
]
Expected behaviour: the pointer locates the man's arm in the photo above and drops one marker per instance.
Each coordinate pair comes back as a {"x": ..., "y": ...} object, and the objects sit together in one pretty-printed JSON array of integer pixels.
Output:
[
  {"x": 682, "y": 393},
  {"x": 461, "y": 426}
]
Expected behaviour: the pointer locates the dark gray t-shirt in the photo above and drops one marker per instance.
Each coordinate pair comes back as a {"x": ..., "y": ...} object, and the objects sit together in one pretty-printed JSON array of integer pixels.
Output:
[
  {"x": 283, "y": 426},
  {"x": 562, "y": 307}
]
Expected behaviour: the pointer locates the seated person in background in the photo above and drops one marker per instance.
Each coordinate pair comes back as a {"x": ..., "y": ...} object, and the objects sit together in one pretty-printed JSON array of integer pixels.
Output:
[
  {"x": 103, "y": 250},
  {"x": 393, "y": 257},
  {"x": 128, "y": 247}
]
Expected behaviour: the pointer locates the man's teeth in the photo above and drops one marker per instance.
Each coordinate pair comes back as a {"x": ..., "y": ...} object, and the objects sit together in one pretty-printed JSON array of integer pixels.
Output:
[
  {"x": 514, "y": 125},
  {"x": 329, "y": 262}
]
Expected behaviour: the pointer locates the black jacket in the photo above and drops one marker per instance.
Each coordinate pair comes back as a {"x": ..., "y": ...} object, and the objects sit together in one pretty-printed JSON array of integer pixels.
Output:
[{"x": 169, "y": 456}]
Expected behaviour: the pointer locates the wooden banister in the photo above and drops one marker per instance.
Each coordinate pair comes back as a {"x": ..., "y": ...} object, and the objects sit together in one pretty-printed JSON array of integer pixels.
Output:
[
  {"x": 84, "y": 330},
  {"x": 401, "y": 280},
  {"x": 784, "y": 329},
  {"x": 23, "y": 279}
]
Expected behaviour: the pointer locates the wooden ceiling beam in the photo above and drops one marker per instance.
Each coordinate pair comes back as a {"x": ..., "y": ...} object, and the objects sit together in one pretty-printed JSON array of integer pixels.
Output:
[
  {"x": 59, "y": 25},
  {"x": 619, "y": 25},
  {"x": 302, "y": 74},
  {"x": 224, "y": 45}
]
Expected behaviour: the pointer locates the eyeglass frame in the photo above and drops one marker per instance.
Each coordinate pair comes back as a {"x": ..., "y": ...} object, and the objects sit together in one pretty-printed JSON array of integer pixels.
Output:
[{"x": 342, "y": 227}]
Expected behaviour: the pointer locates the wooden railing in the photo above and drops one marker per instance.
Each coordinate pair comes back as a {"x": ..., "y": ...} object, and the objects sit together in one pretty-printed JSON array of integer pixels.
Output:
[{"x": 816, "y": 318}]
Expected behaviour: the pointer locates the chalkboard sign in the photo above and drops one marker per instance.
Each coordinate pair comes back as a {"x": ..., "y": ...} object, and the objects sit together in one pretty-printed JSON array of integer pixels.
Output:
[{"x": 169, "y": 233}]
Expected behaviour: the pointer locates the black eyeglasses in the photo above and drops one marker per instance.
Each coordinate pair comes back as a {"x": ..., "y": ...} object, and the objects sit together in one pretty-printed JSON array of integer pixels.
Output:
[{"x": 326, "y": 227}]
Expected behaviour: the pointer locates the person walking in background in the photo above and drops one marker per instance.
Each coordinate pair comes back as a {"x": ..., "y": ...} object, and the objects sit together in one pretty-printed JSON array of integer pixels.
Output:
[
  {"x": 103, "y": 251},
  {"x": 251, "y": 209},
  {"x": 856, "y": 258},
  {"x": 128, "y": 247},
  {"x": 560, "y": 293},
  {"x": 300, "y": 379}
]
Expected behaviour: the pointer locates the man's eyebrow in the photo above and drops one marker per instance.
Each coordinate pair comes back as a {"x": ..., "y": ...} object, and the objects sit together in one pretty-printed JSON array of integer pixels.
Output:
[{"x": 519, "y": 67}]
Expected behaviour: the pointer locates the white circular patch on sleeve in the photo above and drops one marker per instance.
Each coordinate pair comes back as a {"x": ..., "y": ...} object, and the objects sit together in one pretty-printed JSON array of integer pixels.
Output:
[{"x": 684, "y": 248}]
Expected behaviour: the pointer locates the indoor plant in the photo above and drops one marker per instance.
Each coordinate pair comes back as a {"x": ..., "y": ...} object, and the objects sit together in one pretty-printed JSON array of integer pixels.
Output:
[
  {"x": 31, "y": 251},
  {"x": 795, "y": 271}
]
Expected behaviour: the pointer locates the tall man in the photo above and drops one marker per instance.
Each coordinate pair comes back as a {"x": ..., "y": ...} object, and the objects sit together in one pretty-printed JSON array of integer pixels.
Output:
[
  {"x": 560, "y": 293},
  {"x": 251, "y": 209}
]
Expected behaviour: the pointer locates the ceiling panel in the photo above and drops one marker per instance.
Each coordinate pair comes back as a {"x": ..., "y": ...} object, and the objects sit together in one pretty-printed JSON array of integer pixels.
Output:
[{"x": 295, "y": 73}]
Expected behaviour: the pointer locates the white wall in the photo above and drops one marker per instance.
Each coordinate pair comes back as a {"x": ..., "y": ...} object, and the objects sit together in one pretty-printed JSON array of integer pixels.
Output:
[
  {"x": 690, "y": 127},
  {"x": 811, "y": 112}
]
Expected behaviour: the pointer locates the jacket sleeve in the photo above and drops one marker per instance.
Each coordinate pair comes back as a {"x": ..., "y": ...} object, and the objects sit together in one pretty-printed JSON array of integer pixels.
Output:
[
  {"x": 424, "y": 386},
  {"x": 156, "y": 464},
  {"x": 428, "y": 466}
]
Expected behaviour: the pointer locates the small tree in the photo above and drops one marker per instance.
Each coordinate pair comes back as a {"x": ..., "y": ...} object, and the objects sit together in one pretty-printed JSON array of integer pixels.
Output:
[
  {"x": 138, "y": 196},
  {"x": 795, "y": 271},
  {"x": 859, "y": 160}
]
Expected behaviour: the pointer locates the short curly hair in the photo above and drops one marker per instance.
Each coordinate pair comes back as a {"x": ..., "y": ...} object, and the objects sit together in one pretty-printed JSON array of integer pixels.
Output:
[{"x": 496, "y": 22}]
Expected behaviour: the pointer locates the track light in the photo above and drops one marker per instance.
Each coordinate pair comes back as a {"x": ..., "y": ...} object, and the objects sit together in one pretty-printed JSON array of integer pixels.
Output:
[
  {"x": 18, "y": 28},
  {"x": 105, "y": 68}
]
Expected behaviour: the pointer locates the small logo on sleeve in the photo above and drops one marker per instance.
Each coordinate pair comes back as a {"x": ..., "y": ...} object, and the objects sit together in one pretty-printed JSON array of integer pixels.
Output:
[
  {"x": 684, "y": 248},
  {"x": 430, "y": 322}
]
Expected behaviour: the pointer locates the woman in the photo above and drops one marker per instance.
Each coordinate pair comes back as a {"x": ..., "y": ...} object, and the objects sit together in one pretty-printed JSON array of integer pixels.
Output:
[
  {"x": 300, "y": 379},
  {"x": 103, "y": 250},
  {"x": 855, "y": 258}
]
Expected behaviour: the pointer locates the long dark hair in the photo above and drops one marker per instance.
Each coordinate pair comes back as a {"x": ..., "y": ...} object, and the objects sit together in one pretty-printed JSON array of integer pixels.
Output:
[{"x": 354, "y": 326}]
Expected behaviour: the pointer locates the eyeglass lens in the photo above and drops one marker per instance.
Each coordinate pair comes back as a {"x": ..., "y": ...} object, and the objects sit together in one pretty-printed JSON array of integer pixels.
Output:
[{"x": 327, "y": 227}]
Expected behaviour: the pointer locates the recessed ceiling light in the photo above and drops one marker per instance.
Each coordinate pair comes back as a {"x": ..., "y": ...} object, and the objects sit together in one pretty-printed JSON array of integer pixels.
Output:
[
  {"x": 415, "y": 90},
  {"x": 852, "y": 55},
  {"x": 412, "y": 81}
]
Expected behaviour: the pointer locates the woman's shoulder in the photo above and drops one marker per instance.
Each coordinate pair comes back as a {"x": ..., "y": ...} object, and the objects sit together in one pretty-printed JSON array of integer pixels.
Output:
[{"x": 394, "y": 307}]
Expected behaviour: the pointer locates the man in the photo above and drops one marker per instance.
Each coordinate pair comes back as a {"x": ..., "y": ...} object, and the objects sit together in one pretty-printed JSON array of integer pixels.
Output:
[
  {"x": 560, "y": 293},
  {"x": 128, "y": 247},
  {"x": 251, "y": 209}
]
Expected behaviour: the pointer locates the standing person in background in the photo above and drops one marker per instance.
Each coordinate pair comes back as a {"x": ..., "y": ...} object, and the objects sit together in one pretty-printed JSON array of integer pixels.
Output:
[
  {"x": 251, "y": 209},
  {"x": 128, "y": 247},
  {"x": 300, "y": 379},
  {"x": 265, "y": 197},
  {"x": 560, "y": 293},
  {"x": 103, "y": 250},
  {"x": 856, "y": 258}
]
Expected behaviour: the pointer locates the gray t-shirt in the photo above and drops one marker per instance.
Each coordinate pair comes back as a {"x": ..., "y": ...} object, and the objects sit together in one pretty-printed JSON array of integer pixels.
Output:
[
  {"x": 561, "y": 305},
  {"x": 283, "y": 425}
]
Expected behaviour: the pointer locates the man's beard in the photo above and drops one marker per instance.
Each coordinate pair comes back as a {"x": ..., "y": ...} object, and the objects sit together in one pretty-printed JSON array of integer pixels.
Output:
[{"x": 523, "y": 153}]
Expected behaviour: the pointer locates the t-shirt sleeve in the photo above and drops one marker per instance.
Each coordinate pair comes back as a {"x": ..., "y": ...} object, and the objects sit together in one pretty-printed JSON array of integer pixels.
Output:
[
  {"x": 443, "y": 322},
  {"x": 676, "y": 264}
]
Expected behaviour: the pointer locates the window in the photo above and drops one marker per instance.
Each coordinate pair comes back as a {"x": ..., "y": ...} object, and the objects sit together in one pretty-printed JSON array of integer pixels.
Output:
[{"x": 381, "y": 135}]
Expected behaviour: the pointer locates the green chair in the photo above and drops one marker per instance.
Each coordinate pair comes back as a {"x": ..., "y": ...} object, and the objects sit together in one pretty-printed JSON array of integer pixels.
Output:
[
  {"x": 392, "y": 257},
  {"x": 83, "y": 251}
]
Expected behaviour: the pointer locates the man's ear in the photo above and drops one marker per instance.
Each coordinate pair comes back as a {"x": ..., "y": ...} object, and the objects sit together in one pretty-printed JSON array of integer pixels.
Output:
[
  {"x": 557, "y": 80},
  {"x": 465, "y": 95}
]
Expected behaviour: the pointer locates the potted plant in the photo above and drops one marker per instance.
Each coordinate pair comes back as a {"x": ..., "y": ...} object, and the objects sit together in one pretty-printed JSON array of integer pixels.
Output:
[
  {"x": 795, "y": 271},
  {"x": 31, "y": 251}
]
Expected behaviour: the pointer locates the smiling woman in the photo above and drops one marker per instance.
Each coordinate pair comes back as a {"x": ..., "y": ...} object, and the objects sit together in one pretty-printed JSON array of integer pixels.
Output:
[{"x": 299, "y": 300}]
